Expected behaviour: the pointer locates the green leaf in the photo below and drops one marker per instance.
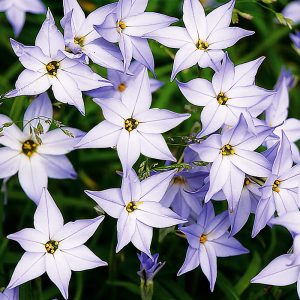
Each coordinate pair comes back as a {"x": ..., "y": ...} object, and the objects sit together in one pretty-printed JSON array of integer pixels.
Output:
[
  {"x": 225, "y": 285},
  {"x": 135, "y": 289}
]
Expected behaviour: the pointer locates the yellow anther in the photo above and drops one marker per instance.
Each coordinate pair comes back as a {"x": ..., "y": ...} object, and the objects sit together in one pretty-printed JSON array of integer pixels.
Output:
[
  {"x": 52, "y": 68},
  {"x": 29, "y": 147},
  {"x": 247, "y": 181},
  {"x": 51, "y": 246},
  {"x": 79, "y": 41},
  {"x": 203, "y": 238},
  {"x": 131, "y": 124},
  {"x": 275, "y": 186},
  {"x": 227, "y": 150},
  {"x": 122, "y": 87},
  {"x": 132, "y": 206},
  {"x": 201, "y": 45},
  {"x": 222, "y": 99},
  {"x": 122, "y": 25},
  {"x": 179, "y": 180}
]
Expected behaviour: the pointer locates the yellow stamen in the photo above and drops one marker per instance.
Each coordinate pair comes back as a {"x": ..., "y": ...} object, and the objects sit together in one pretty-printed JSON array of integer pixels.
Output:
[
  {"x": 203, "y": 238},
  {"x": 222, "y": 99},
  {"x": 275, "y": 186},
  {"x": 79, "y": 41},
  {"x": 201, "y": 45},
  {"x": 52, "y": 68},
  {"x": 132, "y": 206},
  {"x": 51, "y": 246},
  {"x": 29, "y": 147},
  {"x": 131, "y": 124},
  {"x": 122, "y": 87},
  {"x": 122, "y": 25},
  {"x": 227, "y": 150}
]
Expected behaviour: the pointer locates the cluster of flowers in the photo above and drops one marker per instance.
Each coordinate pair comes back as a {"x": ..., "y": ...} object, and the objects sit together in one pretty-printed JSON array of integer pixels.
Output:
[{"x": 222, "y": 160}]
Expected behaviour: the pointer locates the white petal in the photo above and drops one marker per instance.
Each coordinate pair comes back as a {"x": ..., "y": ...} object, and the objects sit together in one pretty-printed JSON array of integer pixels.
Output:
[
  {"x": 191, "y": 262},
  {"x": 9, "y": 162},
  {"x": 142, "y": 237}
]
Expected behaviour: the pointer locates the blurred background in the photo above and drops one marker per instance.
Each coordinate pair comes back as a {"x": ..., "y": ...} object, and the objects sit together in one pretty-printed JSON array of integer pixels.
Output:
[{"x": 97, "y": 171}]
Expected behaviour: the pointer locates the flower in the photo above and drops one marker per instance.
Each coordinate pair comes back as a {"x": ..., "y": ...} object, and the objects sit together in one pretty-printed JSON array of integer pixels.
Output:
[
  {"x": 149, "y": 266},
  {"x": 209, "y": 239},
  {"x": 128, "y": 25},
  {"x": 46, "y": 65},
  {"x": 132, "y": 127},
  {"x": 205, "y": 37},
  {"x": 232, "y": 156},
  {"x": 81, "y": 37},
  {"x": 137, "y": 208},
  {"x": 10, "y": 294},
  {"x": 121, "y": 81},
  {"x": 231, "y": 93},
  {"x": 36, "y": 156},
  {"x": 292, "y": 11},
  {"x": 15, "y": 11},
  {"x": 296, "y": 39},
  {"x": 53, "y": 247},
  {"x": 280, "y": 191}
]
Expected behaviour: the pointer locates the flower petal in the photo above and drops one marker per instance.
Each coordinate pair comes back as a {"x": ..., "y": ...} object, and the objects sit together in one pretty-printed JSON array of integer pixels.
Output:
[
  {"x": 191, "y": 262},
  {"x": 142, "y": 237}
]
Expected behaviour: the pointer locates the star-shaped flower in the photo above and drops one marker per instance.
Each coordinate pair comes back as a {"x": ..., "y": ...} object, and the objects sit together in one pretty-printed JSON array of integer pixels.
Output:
[
  {"x": 205, "y": 37},
  {"x": 16, "y": 10},
  {"x": 232, "y": 156},
  {"x": 128, "y": 25},
  {"x": 10, "y": 294},
  {"x": 81, "y": 37},
  {"x": 231, "y": 92},
  {"x": 132, "y": 126},
  {"x": 280, "y": 191},
  {"x": 208, "y": 239},
  {"x": 137, "y": 208},
  {"x": 46, "y": 65},
  {"x": 36, "y": 159},
  {"x": 292, "y": 11},
  {"x": 53, "y": 247}
]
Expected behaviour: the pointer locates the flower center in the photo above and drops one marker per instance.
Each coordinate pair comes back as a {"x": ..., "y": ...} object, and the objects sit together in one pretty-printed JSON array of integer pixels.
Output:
[
  {"x": 131, "y": 124},
  {"x": 122, "y": 87},
  {"x": 227, "y": 150},
  {"x": 29, "y": 147},
  {"x": 222, "y": 99},
  {"x": 79, "y": 41},
  {"x": 179, "y": 180},
  {"x": 132, "y": 206},
  {"x": 51, "y": 246},
  {"x": 52, "y": 67},
  {"x": 247, "y": 181},
  {"x": 203, "y": 238},
  {"x": 201, "y": 45},
  {"x": 275, "y": 186},
  {"x": 122, "y": 25}
]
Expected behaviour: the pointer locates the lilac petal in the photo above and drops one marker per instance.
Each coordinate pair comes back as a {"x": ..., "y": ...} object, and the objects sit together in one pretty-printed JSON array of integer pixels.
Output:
[
  {"x": 245, "y": 73},
  {"x": 195, "y": 20},
  {"x": 193, "y": 234},
  {"x": 218, "y": 175},
  {"x": 227, "y": 37},
  {"x": 142, "y": 237},
  {"x": 211, "y": 58},
  {"x": 218, "y": 226},
  {"x": 291, "y": 11},
  {"x": 171, "y": 37},
  {"x": 102, "y": 56},
  {"x": 137, "y": 97},
  {"x": 208, "y": 263},
  {"x": 40, "y": 108},
  {"x": 186, "y": 57},
  {"x": 228, "y": 246},
  {"x": 31, "y": 240},
  {"x": 30, "y": 266},
  {"x": 278, "y": 272},
  {"x": 126, "y": 48},
  {"x": 30, "y": 83},
  {"x": 49, "y": 38},
  {"x": 220, "y": 17},
  {"x": 131, "y": 187},
  {"x": 57, "y": 142},
  {"x": 58, "y": 167},
  {"x": 191, "y": 262},
  {"x": 114, "y": 111},
  {"x": 142, "y": 52},
  {"x": 208, "y": 149},
  {"x": 291, "y": 128},
  {"x": 290, "y": 221},
  {"x": 286, "y": 201},
  {"x": 154, "y": 146},
  {"x": 252, "y": 163},
  {"x": 264, "y": 212},
  {"x": 124, "y": 8},
  {"x": 108, "y": 29},
  {"x": 32, "y": 176},
  {"x": 159, "y": 120},
  {"x": 197, "y": 91},
  {"x": 9, "y": 162},
  {"x": 59, "y": 271},
  {"x": 155, "y": 186},
  {"x": 82, "y": 258},
  {"x": 126, "y": 227},
  {"x": 155, "y": 215},
  {"x": 206, "y": 215},
  {"x": 16, "y": 17},
  {"x": 110, "y": 201},
  {"x": 77, "y": 12},
  {"x": 233, "y": 186},
  {"x": 155, "y": 85},
  {"x": 74, "y": 234},
  {"x": 48, "y": 218},
  {"x": 212, "y": 117},
  {"x": 31, "y": 57},
  {"x": 283, "y": 161},
  {"x": 71, "y": 95},
  {"x": 103, "y": 135},
  {"x": 141, "y": 24},
  {"x": 290, "y": 179},
  {"x": 222, "y": 81},
  {"x": 129, "y": 148}
]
